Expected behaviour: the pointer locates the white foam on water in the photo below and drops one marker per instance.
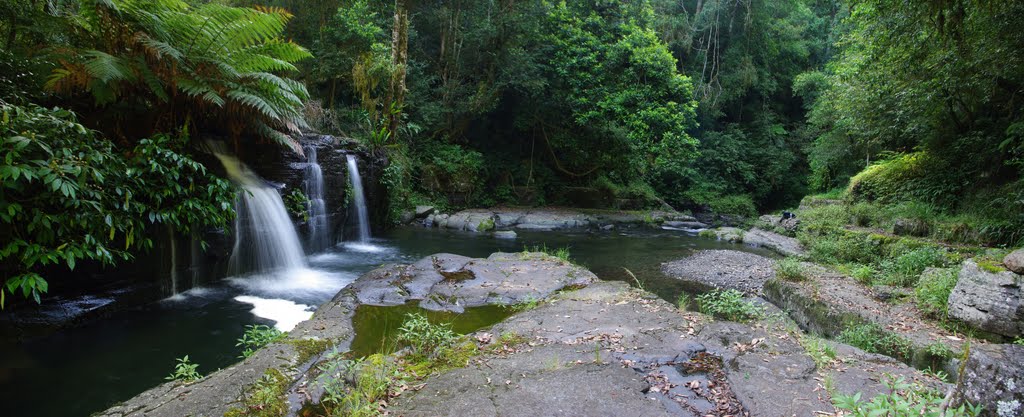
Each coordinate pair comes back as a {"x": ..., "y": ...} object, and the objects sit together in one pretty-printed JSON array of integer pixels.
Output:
[
  {"x": 363, "y": 247},
  {"x": 295, "y": 283},
  {"x": 285, "y": 314}
]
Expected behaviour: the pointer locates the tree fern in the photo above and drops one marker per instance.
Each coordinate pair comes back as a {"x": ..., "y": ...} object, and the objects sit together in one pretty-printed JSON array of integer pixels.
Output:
[{"x": 225, "y": 63}]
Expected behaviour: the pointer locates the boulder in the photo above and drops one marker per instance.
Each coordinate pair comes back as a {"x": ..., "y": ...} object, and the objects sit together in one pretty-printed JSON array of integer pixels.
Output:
[
  {"x": 1015, "y": 261},
  {"x": 505, "y": 234},
  {"x": 993, "y": 377},
  {"x": 989, "y": 301},
  {"x": 683, "y": 225},
  {"x": 407, "y": 216},
  {"x": 424, "y": 211}
]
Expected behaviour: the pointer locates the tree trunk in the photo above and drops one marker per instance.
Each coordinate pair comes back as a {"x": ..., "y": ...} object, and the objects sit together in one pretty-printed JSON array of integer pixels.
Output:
[{"x": 399, "y": 58}]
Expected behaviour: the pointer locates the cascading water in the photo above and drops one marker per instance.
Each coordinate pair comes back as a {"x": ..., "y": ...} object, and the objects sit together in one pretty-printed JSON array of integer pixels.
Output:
[
  {"x": 359, "y": 199},
  {"x": 319, "y": 226},
  {"x": 265, "y": 238}
]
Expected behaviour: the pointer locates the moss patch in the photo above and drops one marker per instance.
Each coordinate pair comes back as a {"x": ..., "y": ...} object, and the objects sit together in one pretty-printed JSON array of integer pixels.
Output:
[
  {"x": 308, "y": 348},
  {"x": 267, "y": 397}
]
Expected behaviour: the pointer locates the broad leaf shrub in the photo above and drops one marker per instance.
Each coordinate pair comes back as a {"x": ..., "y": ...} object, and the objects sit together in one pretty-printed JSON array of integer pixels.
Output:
[
  {"x": 905, "y": 399},
  {"x": 67, "y": 195},
  {"x": 729, "y": 305}
]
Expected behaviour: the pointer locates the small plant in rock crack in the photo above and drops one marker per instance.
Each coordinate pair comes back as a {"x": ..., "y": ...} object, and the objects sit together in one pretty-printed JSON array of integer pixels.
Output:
[
  {"x": 423, "y": 337},
  {"x": 257, "y": 336},
  {"x": 874, "y": 339},
  {"x": 684, "y": 301},
  {"x": 729, "y": 305},
  {"x": 184, "y": 371}
]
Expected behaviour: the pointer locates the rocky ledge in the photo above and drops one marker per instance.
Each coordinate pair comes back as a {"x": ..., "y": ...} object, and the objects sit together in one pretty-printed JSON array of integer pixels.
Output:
[
  {"x": 730, "y": 269},
  {"x": 548, "y": 219},
  {"x": 586, "y": 347}
]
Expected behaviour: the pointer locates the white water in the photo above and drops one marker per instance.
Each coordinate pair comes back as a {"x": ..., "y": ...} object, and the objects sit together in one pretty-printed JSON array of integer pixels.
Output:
[
  {"x": 359, "y": 199},
  {"x": 319, "y": 226},
  {"x": 286, "y": 314},
  {"x": 265, "y": 239}
]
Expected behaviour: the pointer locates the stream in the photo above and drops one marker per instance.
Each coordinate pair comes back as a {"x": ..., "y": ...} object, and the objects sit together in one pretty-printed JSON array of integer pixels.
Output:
[{"x": 83, "y": 370}]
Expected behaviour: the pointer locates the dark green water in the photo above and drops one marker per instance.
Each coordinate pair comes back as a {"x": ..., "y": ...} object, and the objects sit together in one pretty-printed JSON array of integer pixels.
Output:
[
  {"x": 377, "y": 327},
  {"x": 83, "y": 370}
]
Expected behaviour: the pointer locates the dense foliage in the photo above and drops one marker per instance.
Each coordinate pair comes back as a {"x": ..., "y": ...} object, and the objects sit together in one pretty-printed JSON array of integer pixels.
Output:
[
  {"x": 68, "y": 195},
  {"x": 92, "y": 179},
  {"x": 733, "y": 107}
]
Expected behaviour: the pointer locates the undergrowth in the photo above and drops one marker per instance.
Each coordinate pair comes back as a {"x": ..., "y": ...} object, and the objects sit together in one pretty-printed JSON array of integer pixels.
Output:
[
  {"x": 874, "y": 339},
  {"x": 729, "y": 305},
  {"x": 904, "y": 399}
]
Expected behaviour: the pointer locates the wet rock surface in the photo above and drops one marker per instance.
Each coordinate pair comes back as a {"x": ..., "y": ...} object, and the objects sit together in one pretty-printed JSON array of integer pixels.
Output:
[
  {"x": 446, "y": 282},
  {"x": 990, "y": 301},
  {"x": 727, "y": 269}
]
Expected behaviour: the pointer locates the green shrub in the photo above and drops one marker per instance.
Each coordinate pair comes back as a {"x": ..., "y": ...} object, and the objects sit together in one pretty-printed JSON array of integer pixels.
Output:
[
  {"x": 845, "y": 247},
  {"x": 932, "y": 292},
  {"x": 256, "y": 337},
  {"x": 905, "y": 269},
  {"x": 903, "y": 400},
  {"x": 740, "y": 205},
  {"x": 864, "y": 274},
  {"x": 899, "y": 179},
  {"x": 423, "y": 337},
  {"x": 684, "y": 301},
  {"x": 729, "y": 305},
  {"x": 184, "y": 371},
  {"x": 823, "y": 220},
  {"x": 453, "y": 171},
  {"x": 790, "y": 269},
  {"x": 873, "y": 338},
  {"x": 865, "y": 214},
  {"x": 297, "y": 204},
  {"x": 68, "y": 195}
]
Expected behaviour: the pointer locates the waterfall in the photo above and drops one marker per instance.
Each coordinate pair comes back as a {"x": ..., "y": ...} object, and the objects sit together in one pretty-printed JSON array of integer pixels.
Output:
[
  {"x": 174, "y": 260},
  {"x": 319, "y": 227},
  {"x": 265, "y": 238},
  {"x": 359, "y": 199}
]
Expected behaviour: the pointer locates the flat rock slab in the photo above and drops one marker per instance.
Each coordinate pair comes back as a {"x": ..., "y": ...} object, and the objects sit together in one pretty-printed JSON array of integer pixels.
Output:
[
  {"x": 446, "y": 282},
  {"x": 728, "y": 269},
  {"x": 611, "y": 350},
  {"x": 784, "y": 245}
]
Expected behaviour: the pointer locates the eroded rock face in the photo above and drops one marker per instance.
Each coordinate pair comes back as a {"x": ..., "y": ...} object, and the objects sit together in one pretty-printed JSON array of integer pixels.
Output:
[
  {"x": 994, "y": 378},
  {"x": 989, "y": 301},
  {"x": 1015, "y": 261},
  {"x": 723, "y": 269},
  {"x": 446, "y": 282}
]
